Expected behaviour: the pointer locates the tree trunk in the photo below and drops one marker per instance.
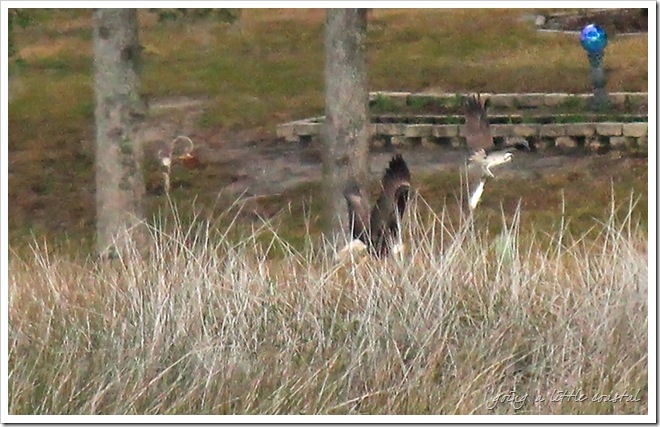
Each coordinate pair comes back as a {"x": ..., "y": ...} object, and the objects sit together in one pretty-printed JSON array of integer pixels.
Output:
[
  {"x": 119, "y": 110},
  {"x": 345, "y": 132}
]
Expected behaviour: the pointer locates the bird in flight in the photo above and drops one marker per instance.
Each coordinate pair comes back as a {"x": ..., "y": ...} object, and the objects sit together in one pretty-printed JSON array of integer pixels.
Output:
[
  {"x": 377, "y": 231},
  {"x": 479, "y": 139}
]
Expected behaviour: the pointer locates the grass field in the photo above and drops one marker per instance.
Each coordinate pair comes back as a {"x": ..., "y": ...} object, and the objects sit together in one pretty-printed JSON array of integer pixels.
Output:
[
  {"x": 206, "y": 325},
  {"x": 543, "y": 291}
]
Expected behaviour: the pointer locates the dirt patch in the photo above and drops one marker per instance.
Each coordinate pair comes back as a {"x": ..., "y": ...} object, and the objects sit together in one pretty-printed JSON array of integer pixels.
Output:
[
  {"x": 254, "y": 163},
  {"x": 250, "y": 162}
]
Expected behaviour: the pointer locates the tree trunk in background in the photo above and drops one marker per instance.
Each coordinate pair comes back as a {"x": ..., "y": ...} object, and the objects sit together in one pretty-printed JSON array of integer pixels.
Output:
[
  {"x": 345, "y": 132},
  {"x": 119, "y": 110}
]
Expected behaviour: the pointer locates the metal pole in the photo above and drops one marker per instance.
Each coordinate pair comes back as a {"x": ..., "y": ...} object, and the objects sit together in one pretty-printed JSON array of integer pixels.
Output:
[{"x": 594, "y": 40}]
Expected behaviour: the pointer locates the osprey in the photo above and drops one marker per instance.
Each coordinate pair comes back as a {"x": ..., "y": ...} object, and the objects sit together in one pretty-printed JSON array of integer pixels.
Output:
[
  {"x": 378, "y": 231},
  {"x": 480, "y": 140}
]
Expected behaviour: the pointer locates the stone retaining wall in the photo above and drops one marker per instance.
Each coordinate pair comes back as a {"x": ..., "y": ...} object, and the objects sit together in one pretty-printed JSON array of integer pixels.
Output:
[
  {"x": 565, "y": 135},
  {"x": 509, "y": 101}
]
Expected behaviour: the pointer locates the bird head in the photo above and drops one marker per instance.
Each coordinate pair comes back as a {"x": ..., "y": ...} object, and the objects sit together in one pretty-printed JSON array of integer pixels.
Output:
[
  {"x": 498, "y": 157},
  {"x": 522, "y": 145},
  {"x": 519, "y": 144}
]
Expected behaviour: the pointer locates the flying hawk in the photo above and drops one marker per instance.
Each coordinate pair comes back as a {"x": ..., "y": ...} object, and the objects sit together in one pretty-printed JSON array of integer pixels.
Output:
[
  {"x": 378, "y": 231},
  {"x": 480, "y": 140}
]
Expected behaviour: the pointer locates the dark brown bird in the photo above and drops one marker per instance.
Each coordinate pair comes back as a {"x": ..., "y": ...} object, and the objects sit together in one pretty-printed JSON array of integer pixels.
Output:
[{"x": 379, "y": 230}]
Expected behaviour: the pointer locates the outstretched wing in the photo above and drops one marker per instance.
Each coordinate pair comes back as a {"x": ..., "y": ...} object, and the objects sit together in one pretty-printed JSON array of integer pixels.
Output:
[
  {"x": 474, "y": 177},
  {"x": 477, "y": 129},
  {"x": 358, "y": 211},
  {"x": 390, "y": 206}
]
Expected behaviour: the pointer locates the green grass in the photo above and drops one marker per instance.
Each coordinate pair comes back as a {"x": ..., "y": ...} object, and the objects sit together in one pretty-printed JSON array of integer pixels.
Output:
[
  {"x": 382, "y": 104},
  {"x": 207, "y": 324},
  {"x": 586, "y": 186}
]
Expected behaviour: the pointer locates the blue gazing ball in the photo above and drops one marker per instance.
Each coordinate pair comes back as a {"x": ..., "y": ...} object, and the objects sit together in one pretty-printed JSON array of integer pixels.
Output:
[{"x": 593, "y": 38}]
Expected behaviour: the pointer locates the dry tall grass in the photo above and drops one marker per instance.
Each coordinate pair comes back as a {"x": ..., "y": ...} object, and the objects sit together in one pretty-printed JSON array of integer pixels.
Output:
[{"x": 463, "y": 323}]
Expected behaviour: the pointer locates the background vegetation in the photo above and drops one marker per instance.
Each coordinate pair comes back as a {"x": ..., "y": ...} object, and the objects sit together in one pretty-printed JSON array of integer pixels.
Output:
[{"x": 264, "y": 69}]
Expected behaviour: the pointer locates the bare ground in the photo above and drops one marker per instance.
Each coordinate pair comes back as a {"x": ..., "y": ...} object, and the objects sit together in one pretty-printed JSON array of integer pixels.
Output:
[{"x": 263, "y": 165}]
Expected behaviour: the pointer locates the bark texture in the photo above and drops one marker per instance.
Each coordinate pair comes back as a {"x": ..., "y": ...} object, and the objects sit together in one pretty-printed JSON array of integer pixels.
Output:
[
  {"x": 345, "y": 133},
  {"x": 119, "y": 111}
]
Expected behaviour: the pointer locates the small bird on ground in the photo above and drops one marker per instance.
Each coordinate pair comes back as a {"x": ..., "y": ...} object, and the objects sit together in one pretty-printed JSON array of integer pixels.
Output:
[
  {"x": 378, "y": 231},
  {"x": 480, "y": 140}
]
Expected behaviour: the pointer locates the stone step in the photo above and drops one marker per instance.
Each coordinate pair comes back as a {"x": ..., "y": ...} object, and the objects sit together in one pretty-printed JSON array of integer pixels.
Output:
[{"x": 589, "y": 134}]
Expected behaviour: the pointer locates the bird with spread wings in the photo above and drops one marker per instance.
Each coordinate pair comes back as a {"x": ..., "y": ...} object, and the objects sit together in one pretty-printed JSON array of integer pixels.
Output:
[
  {"x": 377, "y": 230},
  {"x": 479, "y": 139}
]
